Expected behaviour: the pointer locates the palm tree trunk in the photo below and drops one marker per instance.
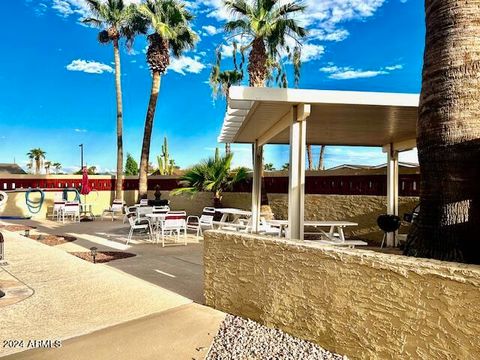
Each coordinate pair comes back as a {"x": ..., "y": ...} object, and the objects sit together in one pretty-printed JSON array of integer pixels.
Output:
[
  {"x": 118, "y": 87},
  {"x": 38, "y": 166},
  {"x": 228, "y": 149},
  {"x": 309, "y": 157},
  {"x": 448, "y": 135},
  {"x": 257, "y": 63},
  {"x": 321, "y": 159},
  {"x": 147, "y": 135}
]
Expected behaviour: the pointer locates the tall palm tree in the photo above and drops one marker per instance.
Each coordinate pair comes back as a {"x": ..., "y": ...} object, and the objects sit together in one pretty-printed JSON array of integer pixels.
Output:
[
  {"x": 57, "y": 166},
  {"x": 448, "y": 135},
  {"x": 309, "y": 157},
  {"x": 222, "y": 80},
  {"x": 172, "y": 32},
  {"x": 37, "y": 155},
  {"x": 268, "y": 26},
  {"x": 321, "y": 158},
  {"x": 47, "y": 165},
  {"x": 117, "y": 21}
]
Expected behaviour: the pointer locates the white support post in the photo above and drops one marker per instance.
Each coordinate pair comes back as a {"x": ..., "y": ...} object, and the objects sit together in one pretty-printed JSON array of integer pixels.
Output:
[
  {"x": 392, "y": 189},
  {"x": 256, "y": 185},
  {"x": 296, "y": 188}
]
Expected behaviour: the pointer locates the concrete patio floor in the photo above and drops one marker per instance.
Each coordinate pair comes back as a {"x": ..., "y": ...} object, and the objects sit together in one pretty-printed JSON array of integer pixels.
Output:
[
  {"x": 135, "y": 308},
  {"x": 175, "y": 267}
]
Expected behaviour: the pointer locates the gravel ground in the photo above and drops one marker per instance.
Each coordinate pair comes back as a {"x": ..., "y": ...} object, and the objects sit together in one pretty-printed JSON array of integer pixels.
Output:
[{"x": 241, "y": 339}]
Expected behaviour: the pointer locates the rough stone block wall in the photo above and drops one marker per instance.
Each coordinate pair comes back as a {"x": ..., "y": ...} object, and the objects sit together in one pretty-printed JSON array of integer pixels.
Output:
[{"x": 363, "y": 304}]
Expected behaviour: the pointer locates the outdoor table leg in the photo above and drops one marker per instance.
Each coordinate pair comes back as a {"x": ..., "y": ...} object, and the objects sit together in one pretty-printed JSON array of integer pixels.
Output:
[{"x": 340, "y": 233}]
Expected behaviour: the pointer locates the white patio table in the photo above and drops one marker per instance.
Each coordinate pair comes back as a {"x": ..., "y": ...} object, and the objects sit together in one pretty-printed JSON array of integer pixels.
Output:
[
  {"x": 157, "y": 219},
  {"x": 232, "y": 219},
  {"x": 336, "y": 227}
]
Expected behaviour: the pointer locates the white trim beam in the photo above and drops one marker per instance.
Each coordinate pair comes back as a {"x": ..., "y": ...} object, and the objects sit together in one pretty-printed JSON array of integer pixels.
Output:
[
  {"x": 400, "y": 146},
  {"x": 296, "y": 183},
  {"x": 392, "y": 189},
  {"x": 257, "y": 186}
]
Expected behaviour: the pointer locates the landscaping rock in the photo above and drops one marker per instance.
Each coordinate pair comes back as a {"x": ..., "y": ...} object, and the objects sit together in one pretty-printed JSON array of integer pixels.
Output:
[{"x": 240, "y": 339}]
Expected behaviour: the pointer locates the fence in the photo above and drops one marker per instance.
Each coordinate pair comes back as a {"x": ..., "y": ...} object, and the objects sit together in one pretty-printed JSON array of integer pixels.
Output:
[{"x": 328, "y": 185}]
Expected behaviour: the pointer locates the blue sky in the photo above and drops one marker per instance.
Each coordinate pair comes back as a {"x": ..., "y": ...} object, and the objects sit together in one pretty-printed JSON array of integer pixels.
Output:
[{"x": 57, "y": 87}]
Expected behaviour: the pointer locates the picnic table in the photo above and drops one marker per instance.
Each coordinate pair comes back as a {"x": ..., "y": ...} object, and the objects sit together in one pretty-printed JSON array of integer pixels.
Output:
[
  {"x": 335, "y": 235},
  {"x": 234, "y": 219}
]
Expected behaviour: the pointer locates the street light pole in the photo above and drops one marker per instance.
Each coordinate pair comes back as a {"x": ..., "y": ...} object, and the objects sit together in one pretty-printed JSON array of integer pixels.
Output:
[{"x": 81, "y": 156}]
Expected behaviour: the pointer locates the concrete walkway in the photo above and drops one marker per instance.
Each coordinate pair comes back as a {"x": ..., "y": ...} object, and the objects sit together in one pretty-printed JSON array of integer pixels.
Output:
[
  {"x": 185, "y": 332},
  {"x": 71, "y": 296}
]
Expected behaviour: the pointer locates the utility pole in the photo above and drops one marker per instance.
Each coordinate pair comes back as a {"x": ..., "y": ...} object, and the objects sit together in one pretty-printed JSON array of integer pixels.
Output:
[{"x": 81, "y": 156}]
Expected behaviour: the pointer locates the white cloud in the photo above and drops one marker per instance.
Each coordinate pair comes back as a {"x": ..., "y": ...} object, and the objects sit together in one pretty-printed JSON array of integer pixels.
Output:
[
  {"x": 90, "y": 67},
  {"x": 65, "y": 8},
  {"x": 211, "y": 30},
  {"x": 325, "y": 16},
  {"x": 186, "y": 64},
  {"x": 347, "y": 73},
  {"x": 332, "y": 35},
  {"x": 394, "y": 67},
  {"x": 312, "y": 52},
  {"x": 80, "y": 130}
]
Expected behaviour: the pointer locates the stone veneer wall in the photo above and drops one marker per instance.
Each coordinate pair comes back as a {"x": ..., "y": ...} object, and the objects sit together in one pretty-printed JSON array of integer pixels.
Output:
[{"x": 363, "y": 304}]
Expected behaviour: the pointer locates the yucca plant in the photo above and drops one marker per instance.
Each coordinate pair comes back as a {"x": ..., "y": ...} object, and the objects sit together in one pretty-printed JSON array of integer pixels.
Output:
[
  {"x": 172, "y": 35},
  {"x": 212, "y": 175},
  {"x": 117, "y": 21}
]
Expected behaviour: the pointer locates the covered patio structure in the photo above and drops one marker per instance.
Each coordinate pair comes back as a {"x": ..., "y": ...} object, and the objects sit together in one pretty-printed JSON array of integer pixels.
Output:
[{"x": 299, "y": 117}]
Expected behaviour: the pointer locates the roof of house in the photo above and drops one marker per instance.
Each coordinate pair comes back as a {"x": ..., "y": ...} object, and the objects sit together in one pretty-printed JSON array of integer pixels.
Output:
[
  {"x": 367, "y": 167},
  {"x": 11, "y": 169}
]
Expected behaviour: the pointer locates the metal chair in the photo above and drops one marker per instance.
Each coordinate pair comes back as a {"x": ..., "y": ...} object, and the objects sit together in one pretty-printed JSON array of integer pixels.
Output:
[{"x": 204, "y": 221}]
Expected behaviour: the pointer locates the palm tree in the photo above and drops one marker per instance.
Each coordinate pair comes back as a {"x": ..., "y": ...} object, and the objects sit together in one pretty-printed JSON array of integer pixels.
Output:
[
  {"x": 47, "y": 165},
  {"x": 448, "y": 135},
  {"x": 37, "y": 155},
  {"x": 170, "y": 22},
  {"x": 309, "y": 157},
  {"x": 213, "y": 175},
  {"x": 57, "y": 166},
  {"x": 268, "y": 167},
  {"x": 222, "y": 80},
  {"x": 117, "y": 20},
  {"x": 268, "y": 26},
  {"x": 321, "y": 158}
]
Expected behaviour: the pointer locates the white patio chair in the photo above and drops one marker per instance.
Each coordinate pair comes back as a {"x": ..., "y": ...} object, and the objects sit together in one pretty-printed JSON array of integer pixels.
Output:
[
  {"x": 71, "y": 210},
  {"x": 115, "y": 208},
  {"x": 128, "y": 210},
  {"x": 138, "y": 224},
  {"x": 142, "y": 211},
  {"x": 205, "y": 221},
  {"x": 175, "y": 222},
  {"x": 161, "y": 209},
  {"x": 58, "y": 207}
]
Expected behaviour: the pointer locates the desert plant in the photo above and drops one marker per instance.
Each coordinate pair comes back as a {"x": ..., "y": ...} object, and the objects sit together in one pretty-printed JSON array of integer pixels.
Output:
[
  {"x": 166, "y": 166},
  {"x": 213, "y": 175}
]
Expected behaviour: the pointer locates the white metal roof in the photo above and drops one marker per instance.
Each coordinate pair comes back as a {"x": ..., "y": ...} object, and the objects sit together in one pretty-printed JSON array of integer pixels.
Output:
[{"x": 336, "y": 117}]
